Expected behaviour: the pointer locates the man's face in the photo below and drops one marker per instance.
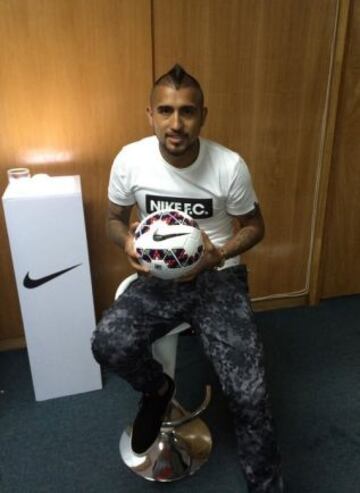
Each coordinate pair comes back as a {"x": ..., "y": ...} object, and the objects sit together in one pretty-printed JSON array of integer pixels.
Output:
[{"x": 176, "y": 116}]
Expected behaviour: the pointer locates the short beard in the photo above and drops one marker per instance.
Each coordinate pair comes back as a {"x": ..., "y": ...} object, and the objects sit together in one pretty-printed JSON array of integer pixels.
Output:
[
  {"x": 174, "y": 152},
  {"x": 180, "y": 152}
]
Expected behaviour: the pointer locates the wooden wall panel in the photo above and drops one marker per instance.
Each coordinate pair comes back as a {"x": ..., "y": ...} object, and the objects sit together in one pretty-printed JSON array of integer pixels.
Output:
[
  {"x": 340, "y": 266},
  {"x": 74, "y": 83},
  {"x": 264, "y": 67}
]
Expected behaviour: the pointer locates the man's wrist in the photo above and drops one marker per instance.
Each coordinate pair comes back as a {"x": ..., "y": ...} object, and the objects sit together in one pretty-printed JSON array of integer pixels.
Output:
[{"x": 222, "y": 259}]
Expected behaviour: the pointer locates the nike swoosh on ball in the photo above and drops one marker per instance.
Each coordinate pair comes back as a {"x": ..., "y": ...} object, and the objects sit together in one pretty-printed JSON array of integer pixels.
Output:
[{"x": 157, "y": 237}]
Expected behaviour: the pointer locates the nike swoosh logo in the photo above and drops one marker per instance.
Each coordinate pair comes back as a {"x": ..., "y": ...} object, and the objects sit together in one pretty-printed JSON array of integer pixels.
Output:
[
  {"x": 157, "y": 237},
  {"x": 35, "y": 283}
]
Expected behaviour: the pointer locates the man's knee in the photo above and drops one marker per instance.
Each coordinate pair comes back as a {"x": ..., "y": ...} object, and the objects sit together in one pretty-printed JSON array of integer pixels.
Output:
[
  {"x": 114, "y": 344},
  {"x": 107, "y": 343},
  {"x": 101, "y": 347}
]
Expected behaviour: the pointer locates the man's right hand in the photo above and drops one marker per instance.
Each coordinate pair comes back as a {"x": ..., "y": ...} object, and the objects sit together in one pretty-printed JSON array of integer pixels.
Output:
[
  {"x": 122, "y": 234},
  {"x": 131, "y": 253}
]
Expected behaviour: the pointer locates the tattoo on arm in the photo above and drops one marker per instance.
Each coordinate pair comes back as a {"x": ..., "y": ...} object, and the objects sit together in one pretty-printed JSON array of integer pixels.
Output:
[
  {"x": 118, "y": 223},
  {"x": 249, "y": 232},
  {"x": 254, "y": 212}
]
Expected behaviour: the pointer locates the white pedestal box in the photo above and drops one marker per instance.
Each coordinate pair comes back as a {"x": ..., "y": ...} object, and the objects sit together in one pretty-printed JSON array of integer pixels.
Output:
[{"x": 46, "y": 229}]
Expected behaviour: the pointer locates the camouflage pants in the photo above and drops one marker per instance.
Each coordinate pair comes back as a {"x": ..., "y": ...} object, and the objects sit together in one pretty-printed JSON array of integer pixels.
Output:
[{"x": 217, "y": 307}]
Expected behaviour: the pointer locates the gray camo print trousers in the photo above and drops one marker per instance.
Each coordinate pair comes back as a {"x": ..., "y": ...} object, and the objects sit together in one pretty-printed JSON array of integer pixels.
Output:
[{"x": 216, "y": 305}]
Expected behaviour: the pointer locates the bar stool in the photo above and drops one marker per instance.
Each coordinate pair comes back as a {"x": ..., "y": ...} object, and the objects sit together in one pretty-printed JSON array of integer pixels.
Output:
[{"x": 184, "y": 442}]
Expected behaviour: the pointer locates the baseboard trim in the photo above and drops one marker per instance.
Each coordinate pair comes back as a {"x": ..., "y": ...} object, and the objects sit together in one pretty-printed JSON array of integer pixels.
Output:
[
  {"x": 277, "y": 303},
  {"x": 13, "y": 343}
]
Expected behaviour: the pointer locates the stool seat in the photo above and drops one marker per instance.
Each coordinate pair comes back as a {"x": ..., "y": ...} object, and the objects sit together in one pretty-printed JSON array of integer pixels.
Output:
[{"x": 184, "y": 442}]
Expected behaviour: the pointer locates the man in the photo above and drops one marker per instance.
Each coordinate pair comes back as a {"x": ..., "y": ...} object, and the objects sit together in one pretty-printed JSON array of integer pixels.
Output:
[{"x": 214, "y": 185}]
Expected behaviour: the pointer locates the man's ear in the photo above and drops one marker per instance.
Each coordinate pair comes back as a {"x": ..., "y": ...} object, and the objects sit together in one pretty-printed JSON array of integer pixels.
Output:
[
  {"x": 204, "y": 115},
  {"x": 149, "y": 114}
]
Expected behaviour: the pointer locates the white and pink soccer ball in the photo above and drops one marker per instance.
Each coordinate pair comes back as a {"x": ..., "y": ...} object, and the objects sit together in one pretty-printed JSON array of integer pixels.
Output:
[{"x": 169, "y": 243}]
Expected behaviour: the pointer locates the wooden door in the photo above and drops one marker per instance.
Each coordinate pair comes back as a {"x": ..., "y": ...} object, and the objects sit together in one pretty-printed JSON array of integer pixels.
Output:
[{"x": 74, "y": 84}]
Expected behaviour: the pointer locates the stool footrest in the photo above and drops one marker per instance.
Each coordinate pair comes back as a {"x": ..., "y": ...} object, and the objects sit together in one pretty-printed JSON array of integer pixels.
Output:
[{"x": 188, "y": 416}]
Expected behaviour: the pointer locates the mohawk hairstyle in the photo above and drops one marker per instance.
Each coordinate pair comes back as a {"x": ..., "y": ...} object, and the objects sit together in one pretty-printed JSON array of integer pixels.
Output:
[{"x": 178, "y": 77}]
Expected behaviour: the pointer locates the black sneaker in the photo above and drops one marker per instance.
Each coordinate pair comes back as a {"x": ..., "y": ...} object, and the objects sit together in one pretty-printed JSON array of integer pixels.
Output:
[{"x": 147, "y": 424}]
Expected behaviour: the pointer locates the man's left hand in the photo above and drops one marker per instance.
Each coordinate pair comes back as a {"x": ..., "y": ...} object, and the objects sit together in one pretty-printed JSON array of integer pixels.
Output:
[{"x": 212, "y": 257}]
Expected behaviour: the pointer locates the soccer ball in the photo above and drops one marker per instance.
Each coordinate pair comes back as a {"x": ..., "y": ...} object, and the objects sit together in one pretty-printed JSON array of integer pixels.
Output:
[{"x": 169, "y": 243}]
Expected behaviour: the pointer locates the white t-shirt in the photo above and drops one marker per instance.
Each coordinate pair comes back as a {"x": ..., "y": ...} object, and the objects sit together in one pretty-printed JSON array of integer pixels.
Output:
[{"x": 212, "y": 189}]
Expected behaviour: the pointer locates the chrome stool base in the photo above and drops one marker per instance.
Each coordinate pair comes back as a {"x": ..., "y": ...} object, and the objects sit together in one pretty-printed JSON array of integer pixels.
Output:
[{"x": 183, "y": 446}]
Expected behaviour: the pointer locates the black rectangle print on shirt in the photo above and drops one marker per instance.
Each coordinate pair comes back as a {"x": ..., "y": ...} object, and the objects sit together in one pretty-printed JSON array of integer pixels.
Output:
[{"x": 196, "y": 208}]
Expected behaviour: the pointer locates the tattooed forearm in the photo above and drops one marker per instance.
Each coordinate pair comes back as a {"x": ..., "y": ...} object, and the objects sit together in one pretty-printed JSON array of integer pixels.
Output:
[{"x": 251, "y": 232}]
